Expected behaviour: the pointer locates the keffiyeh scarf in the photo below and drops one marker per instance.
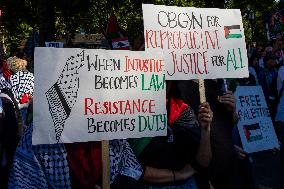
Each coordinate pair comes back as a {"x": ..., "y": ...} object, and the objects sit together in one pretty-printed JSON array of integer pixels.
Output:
[
  {"x": 22, "y": 83},
  {"x": 3, "y": 83},
  {"x": 46, "y": 166},
  {"x": 42, "y": 166}
]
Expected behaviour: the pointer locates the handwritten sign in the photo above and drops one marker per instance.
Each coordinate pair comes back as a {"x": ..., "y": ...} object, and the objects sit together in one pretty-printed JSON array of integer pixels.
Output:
[
  {"x": 94, "y": 95},
  {"x": 54, "y": 44},
  {"x": 197, "y": 43},
  {"x": 255, "y": 125}
]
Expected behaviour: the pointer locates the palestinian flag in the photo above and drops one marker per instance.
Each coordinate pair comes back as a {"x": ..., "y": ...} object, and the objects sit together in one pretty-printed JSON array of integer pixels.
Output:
[
  {"x": 113, "y": 30},
  {"x": 252, "y": 132},
  {"x": 120, "y": 43},
  {"x": 115, "y": 37},
  {"x": 233, "y": 31}
]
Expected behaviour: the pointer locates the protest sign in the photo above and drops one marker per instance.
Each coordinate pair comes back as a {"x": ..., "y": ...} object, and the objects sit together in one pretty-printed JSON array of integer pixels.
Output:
[
  {"x": 54, "y": 44},
  {"x": 198, "y": 43},
  {"x": 93, "y": 95},
  {"x": 255, "y": 125}
]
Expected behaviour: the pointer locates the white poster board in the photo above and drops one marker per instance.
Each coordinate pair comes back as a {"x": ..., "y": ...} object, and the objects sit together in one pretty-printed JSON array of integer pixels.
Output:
[
  {"x": 54, "y": 44},
  {"x": 198, "y": 43},
  {"x": 255, "y": 125},
  {"x": 93, "y": 95}
]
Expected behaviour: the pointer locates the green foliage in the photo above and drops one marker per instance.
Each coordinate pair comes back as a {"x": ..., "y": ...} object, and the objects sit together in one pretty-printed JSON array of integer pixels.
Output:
[
  {"x": 21, "y": 16},
  {"x": 17, "y": 21},
  {"x": 261, "y": 9}
]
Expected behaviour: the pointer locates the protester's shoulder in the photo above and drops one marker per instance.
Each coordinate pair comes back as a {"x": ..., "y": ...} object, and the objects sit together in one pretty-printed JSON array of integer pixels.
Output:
[
  {"x": 251, "y": 68},
  {"x": 281, "y": 70},
  {"x": 187, "y": 118},
  {"x": 281, "y": 73},
  {"x": 5, "y": 99}
]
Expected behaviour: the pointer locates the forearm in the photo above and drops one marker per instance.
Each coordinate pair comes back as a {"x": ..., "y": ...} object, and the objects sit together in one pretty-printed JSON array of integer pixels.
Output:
[
  {"x": 153, "y": 175},
  {"x": 204, "y": 153},
  {"x": 236, "y": 118}
]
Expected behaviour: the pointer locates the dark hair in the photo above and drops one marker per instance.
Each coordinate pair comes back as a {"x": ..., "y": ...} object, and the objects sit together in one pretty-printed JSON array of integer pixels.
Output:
[
  {"x": 138, "y": 42},
  {"x": 269, "y": 56},
  {"x": 251, "y": 59},
  {"x": 174, "y": 91}
]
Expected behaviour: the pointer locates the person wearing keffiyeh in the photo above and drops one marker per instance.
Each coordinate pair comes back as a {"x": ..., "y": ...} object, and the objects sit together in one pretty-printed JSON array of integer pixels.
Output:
[
  {"x": 66, "y": 166},
  {"x": 21, "y": 80},
  {"x": 21, "y": 83},
  {"x": 9, "y": 128}
]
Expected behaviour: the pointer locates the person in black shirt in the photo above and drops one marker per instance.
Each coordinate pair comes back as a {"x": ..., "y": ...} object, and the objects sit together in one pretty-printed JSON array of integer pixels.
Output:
[
  {"x": 223, "y": 104},
  {"x": 173, "y": 160}
]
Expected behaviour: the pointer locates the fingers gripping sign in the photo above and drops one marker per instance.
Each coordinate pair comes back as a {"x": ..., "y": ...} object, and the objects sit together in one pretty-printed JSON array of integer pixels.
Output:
[
  {"x": 205, "y": 115},
  {"x": 229, "y": 100}
]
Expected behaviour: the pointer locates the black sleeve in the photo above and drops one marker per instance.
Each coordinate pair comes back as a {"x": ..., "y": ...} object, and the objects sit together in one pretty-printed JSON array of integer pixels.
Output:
[{"x": 187, "y": 133}]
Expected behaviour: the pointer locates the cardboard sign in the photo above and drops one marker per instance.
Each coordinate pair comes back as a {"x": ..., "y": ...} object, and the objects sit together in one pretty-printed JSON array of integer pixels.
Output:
[
  {"x": 197, "y": 43},
  {"x": 54, "y": 44},
  {"x": 93, "y": 95},
  {"x": 255, "y": 125}
]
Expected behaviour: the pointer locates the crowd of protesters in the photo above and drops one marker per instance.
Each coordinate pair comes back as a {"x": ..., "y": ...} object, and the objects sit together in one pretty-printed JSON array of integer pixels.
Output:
[
  {"x": 266, "y": 69},
  {"x": 202, "y": 149}
]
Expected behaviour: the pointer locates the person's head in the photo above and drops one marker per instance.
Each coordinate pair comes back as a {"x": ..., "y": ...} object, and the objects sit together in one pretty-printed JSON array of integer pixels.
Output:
[
  {"x": 16, "y": 64},
  {"x": 172, "y": 89},
  {"x": 263, "y": 54},
  {"x": 138, "y": 43},
  {"x": 259, "y": 50},
  {"x": 270, "y": 61},
  {"x": 253, "y": 61},
  {"x": 254, "y": 44}
]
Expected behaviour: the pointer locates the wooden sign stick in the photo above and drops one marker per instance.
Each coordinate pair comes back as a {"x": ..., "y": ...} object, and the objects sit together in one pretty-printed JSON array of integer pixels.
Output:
[
  {"x": 106, "y": 164},
  {"x": 202, "y": 91}
]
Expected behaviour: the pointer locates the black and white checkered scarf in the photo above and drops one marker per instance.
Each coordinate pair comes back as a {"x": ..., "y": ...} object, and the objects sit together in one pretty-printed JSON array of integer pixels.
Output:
[
  {"x": 22, "y": 83},
  {"x": 46, "y": 166}
]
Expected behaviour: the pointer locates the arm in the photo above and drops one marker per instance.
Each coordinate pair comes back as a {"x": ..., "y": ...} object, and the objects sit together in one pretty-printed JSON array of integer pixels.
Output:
[
  {"x": 154, "y": 175},
  {"x": 240, "y": 152},
  {"x": 205, "y": 117}
]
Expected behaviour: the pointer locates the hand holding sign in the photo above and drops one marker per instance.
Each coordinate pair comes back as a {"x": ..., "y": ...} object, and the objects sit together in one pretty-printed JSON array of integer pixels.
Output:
[
  {"x": 205, "y": 116},
  {"x": 240, "y": 152},
  {"x": 229, "y": 100}
]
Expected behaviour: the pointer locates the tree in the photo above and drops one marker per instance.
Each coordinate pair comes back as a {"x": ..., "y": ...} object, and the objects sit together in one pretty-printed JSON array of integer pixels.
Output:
[
  {"x": 215, "y": 3},
  {"x": 46, "y": 21},
  {"x": 261, "y": 9},
  {"x": 64, "y": 18},
  {"x": 18, "y": 20}
]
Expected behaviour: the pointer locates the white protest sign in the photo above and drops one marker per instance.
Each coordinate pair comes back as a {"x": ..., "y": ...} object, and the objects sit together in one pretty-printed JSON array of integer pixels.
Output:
[
  {"x": 198, "y": 43},
  {"x": 54, "y": 44},
  {"x": 255, "y": 125},
  {"x": 93, "y": 95}
]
